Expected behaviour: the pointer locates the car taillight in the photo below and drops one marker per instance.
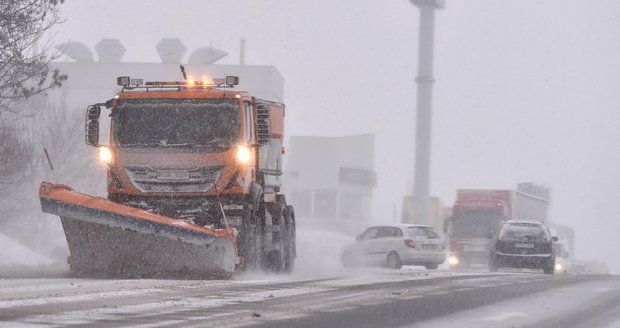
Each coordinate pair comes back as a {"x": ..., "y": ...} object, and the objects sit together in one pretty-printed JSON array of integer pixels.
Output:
[{"x": 409, "y": 243}]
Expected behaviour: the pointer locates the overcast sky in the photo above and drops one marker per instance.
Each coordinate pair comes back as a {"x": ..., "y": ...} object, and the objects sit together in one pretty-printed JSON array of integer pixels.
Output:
[{"x": 527, "y": 90}]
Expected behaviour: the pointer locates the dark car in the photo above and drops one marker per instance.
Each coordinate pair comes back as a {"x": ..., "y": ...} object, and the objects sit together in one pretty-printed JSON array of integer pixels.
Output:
[{"x": 523, "y": 244}]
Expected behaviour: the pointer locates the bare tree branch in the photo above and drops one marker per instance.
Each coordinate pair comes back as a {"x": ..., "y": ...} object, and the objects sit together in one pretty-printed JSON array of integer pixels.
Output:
[{"x": 24, "y": 67}]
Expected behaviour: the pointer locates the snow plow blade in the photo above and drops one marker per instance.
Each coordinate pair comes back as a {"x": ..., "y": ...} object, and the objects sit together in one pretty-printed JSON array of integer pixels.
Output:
[{"x": 107, "y": 239}]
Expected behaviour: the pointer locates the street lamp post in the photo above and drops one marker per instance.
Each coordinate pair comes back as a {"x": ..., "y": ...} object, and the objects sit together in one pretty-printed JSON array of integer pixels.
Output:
[{"x": 424, "y": 81}]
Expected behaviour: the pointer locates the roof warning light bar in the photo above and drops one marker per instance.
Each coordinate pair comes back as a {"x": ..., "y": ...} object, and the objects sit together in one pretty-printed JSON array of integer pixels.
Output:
[{"x": 128, "y": 83}]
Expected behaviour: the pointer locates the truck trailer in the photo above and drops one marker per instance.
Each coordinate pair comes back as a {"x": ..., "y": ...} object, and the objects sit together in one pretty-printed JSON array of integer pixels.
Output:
[
  {"x": 477, "y": 215},
  {"x": 193, "y": 184}
]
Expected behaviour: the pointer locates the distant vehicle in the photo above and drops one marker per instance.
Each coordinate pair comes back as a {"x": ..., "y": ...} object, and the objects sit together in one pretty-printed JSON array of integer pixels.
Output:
[
  {"x": 396, "y": 245},
  {"x": 564, "y": 248},
  {"x": 478, "y": 215},
  {"x": 563, "y": 259},
  {"x": 523, "y": 244}
]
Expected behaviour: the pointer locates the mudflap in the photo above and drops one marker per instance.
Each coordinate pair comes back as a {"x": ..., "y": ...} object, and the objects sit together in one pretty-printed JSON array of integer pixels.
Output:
[{"x": 107, "y": 239}]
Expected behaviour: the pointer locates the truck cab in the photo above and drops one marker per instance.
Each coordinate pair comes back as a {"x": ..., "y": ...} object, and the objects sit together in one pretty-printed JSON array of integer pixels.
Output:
[
  {"x": 201, "y": 152},
  {"x": 470, "y": 230},
  {"x": 478, "y": 215}
]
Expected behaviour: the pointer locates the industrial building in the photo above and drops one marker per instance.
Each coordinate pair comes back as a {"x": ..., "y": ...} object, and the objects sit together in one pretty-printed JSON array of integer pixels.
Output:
[{"x": 330, "y": 181}]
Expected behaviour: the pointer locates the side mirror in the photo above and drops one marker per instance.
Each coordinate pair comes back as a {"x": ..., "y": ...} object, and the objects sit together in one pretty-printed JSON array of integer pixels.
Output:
[
  {"x": 92, "y": 125},
  {"x": 555, "y": 239}
]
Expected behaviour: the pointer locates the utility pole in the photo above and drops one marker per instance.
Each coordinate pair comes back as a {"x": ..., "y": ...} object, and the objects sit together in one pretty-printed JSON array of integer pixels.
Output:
[
  {"x": 242, "y": 52},
  {"x": 424, "y": 81}
]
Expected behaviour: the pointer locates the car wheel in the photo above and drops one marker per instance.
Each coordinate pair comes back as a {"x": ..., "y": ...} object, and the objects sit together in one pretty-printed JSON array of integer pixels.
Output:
[
  {"x": 393, "y": 261},
  {"x": 431, "y": 266}
]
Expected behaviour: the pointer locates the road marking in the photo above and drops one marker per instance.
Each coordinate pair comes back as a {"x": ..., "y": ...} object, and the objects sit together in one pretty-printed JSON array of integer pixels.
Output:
[
  {"x": 76, "y": 298},
  {"x": 171, "y": 306},
  {"x": 504, "y": 316}
]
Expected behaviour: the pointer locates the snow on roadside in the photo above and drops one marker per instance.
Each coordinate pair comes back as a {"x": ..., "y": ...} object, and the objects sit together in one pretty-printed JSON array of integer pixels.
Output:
[
  {"x": 318, "y": 252},
  {"x": 14, "y": 254}
]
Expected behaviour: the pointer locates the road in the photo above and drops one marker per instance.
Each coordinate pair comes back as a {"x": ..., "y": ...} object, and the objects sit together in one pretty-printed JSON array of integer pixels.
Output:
[{"x": 358, "y": 298}]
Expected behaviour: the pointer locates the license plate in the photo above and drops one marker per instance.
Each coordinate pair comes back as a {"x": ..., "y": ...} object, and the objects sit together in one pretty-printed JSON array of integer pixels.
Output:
[
  {"x": 523, "y": 245},
  {"x": 428, "y": 246},
  {"x": 172, "y": 175}
]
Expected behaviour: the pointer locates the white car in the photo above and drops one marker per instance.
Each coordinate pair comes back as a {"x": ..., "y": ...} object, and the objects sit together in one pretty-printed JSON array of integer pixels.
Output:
[{"x": 396, "y": 245}]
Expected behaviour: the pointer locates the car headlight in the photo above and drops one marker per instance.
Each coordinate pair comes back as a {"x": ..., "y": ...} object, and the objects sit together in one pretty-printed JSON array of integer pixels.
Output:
[{"x": 453, "y": 260}]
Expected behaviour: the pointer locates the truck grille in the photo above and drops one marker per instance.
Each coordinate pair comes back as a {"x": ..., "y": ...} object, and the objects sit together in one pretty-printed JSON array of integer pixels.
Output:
[{"x": 201, "y": 179}]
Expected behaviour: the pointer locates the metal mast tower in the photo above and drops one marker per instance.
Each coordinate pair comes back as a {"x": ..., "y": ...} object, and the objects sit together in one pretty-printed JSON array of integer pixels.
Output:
[{"x": 424, "y": 81}]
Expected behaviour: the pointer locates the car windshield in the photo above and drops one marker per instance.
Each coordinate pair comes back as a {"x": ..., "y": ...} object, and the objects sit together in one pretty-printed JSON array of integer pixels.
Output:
[
  {"x": 474, "y": 224},
  {"x": 211, "y": 123},
  {"x": 524, "y": 231}
]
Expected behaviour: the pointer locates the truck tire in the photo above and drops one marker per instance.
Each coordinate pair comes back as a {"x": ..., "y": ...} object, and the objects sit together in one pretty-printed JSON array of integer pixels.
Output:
[
  {"x": 253, "y": 230},
  {"x": 250, "y": 247},
  {"x": 275, "y": 237},
  {"x": 289, "y": 241}
]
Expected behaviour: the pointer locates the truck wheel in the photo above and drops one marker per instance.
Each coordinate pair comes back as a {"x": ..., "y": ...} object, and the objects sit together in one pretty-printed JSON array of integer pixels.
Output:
[
  {"x": 274, "y": 237},
  {"x": 252, "y": 234},
  {"x": 251, "y": 247},
  {"x": 289, "y": 240},
  {"x": 274, "y": 261}
]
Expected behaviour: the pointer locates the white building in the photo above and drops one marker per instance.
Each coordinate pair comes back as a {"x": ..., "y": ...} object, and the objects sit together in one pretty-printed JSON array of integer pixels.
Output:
[
  {"x": 95, "y": 81},
  {"x": 330, "y": 181}
]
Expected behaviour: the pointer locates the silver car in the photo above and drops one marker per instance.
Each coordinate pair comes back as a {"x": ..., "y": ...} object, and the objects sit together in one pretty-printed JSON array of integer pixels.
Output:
[{"x": 396, "y": 245}]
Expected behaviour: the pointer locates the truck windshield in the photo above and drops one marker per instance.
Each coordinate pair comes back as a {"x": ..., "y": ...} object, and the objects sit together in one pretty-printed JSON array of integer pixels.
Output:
[
  {"x": 475, "y": 224},
  {"x": 210, "y": 123}
]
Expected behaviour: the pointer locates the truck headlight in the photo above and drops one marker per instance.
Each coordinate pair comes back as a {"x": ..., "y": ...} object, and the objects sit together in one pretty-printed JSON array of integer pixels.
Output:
[
  {"x": 105, "y": 155},
  {"x": 243, "y": 154}
]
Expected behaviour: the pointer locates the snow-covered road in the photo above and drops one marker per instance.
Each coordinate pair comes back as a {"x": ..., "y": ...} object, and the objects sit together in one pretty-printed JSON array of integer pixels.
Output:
[{"x": 355, "y": 298}]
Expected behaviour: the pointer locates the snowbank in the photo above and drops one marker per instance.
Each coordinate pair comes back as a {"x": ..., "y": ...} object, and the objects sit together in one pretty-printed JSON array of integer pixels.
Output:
[
  {"x": 13, "y": 254},
  {"x": 318, "y": 252}
]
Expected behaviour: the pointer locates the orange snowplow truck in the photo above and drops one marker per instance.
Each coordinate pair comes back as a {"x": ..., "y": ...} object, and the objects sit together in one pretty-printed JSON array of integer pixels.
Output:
[{"x": 193, "y": 178}]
